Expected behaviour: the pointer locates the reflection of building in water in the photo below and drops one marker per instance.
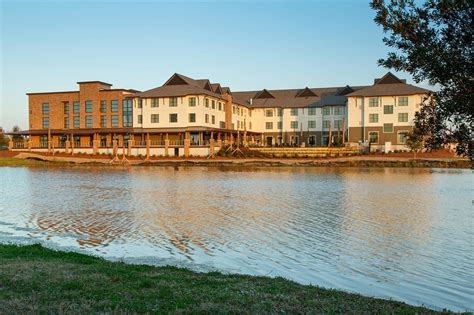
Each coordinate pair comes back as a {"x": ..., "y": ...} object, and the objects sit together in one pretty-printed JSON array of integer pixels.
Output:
[
  {"x": 191, "y": 212},
  {"x": 96, "y": 216},
  {"x": 384, "y": 219}
]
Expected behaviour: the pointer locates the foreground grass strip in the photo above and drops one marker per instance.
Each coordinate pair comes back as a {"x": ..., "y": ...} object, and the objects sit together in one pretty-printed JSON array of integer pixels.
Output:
[{"x": 34, "y": 279}]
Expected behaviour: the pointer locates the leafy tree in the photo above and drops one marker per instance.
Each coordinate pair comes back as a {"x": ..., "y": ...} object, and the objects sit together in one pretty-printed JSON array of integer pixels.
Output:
[
  {"x": 15, "y": 138},
  {"x": 3, "y": 138},
  {"x": 415, "y": 141},
  {"x": 433, "y": 41}
]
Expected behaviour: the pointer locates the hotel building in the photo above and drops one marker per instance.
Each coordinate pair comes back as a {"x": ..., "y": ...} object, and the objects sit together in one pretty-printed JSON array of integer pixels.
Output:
[{"x": 185, "y": 116}]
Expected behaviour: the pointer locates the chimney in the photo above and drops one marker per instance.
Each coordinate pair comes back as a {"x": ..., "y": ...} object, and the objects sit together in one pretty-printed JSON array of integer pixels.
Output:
[{"x": 251, "y": 101}]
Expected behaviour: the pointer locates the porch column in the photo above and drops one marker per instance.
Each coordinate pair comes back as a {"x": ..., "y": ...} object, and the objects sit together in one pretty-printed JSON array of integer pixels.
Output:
[
  {"x": 95, "y": 144},
  {"x": 245, "y": 138},
  {"x": 10, "y": 145},
  {"x": 72, "y": 144},
  {"x": 167, "y": 144},
  {"x": 211, "y": 145},
  {"x": 187, "y": 143},
  {"x": 219, "y": 140},
  {"x": 115, "y": 147},
  {"x": 130, "y": 146},
  {"x": 29, "y": 144},
  {"x": 49, "y": 141},
  {"x": 148, "y": 142},
  {"x": 67, "y": 145}
]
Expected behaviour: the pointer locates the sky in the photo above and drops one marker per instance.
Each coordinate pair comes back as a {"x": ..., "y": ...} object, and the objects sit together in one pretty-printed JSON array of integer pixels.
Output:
[{"x": 247, "y": 45}]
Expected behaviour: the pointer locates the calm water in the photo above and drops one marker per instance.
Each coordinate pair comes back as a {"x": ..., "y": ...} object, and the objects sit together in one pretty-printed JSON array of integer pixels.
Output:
[{"x": 405, "y": 234}]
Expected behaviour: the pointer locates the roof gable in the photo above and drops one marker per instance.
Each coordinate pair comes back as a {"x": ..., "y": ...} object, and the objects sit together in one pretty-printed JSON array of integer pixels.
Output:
[
  {"x": 205, "y": 84},
  {"x": 306, "y": 92},
  {"x": 177, "y": 79},
  {"x": 216, "y": 88},
  {"x": 346, "y": 90},
  {"x": 388, "y": 78},
  {"x": 264, "y": 94}
]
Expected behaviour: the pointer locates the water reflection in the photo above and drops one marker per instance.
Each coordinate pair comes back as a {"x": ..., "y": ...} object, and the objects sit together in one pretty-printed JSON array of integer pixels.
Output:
[{"x": 399, "y": 233}]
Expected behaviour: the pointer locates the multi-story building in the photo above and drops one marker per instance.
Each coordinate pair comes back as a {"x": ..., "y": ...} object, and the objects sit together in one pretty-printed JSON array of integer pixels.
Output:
[{"x": 188, "y": 115}]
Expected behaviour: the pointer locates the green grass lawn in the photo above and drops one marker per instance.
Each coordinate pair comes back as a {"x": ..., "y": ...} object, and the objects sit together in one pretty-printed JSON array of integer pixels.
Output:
[{"x": 38, "y": 280}]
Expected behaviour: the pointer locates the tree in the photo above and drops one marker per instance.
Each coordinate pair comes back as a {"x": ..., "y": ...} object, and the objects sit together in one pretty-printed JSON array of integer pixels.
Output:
[
  {"x": 17, "y": 138},
  {"x": 415, "y": 141},
  {"x": 433, "y": 41},
  {"x": 3, "y": 139}
]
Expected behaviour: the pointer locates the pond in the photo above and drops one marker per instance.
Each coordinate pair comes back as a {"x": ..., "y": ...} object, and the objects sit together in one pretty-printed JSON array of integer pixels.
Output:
[{"x": 405, "y": 234}]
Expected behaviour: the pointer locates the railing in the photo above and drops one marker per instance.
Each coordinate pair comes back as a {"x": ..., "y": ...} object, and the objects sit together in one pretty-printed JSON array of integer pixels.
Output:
[{"x": 176, "y": 142}]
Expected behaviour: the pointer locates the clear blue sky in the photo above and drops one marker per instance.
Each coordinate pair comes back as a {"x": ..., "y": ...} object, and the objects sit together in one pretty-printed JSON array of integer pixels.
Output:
[{"x": 49, "y": 46}]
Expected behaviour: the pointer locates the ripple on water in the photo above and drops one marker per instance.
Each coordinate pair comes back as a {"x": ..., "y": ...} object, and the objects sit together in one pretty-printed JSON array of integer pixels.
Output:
[{"x": 403, "y": 233}]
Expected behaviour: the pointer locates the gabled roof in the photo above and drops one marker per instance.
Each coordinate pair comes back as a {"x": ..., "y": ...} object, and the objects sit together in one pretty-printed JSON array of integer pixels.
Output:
[
  {"x": 389, "y": 78},
  {"x": 226, "y": 89},
  {"x": 389, "y": 85},
  {"x": 306, "y": 92},
  {"x": 345, "y": 90},
  {"x": 263, "y": 94},
  {"x": 216, "y": 88},
  {"x": 181, "y": 85}
]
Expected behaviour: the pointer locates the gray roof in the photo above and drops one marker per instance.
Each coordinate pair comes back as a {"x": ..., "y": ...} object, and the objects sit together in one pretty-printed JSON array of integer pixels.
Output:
[
  {"x": 289, "y": 99},
  {"x": 389, "y": 85},
  {"x": 180, "y": 85}
]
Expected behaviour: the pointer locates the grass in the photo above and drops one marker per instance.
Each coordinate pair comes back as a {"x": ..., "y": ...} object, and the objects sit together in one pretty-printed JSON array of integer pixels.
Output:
[
  {"x": 7, "y": 161},
  {"x": 34, "y": 279}
]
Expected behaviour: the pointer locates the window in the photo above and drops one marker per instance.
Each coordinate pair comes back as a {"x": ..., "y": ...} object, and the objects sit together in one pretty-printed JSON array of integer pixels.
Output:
[
  {"x": 220, "y": 106},
  {"x": 269, "y": 113},
  {"x": 89, "y": 121},
  {"x": 114, "y": 106},
  {"x": 88, "y": 106},
  {"x": 250, "y": 125},
  {"x": 66, "y": 122},
  {"x": 233, "y": 109},
  {"x": 280, "y": 125},
  {"x": 103, "y": 121},
  {"x": 241, "y": 111},
  {"x": 155, "y": 118},
  {"x": 326, "y": 110},
  {"x": 213, "y": 104},
  {"x": 127, "y": 116},
  {"x": 213, "y": 119},
  {"x": 206, "y": 119},
  {"x": 207, "y": 103},
  {"x": 373, "y": 137},
  {"x": 312, "y": 111},
  {"x": 388, "y": 128},
  {"x": 402, "y": 137},
  {"x": 192, "y": 117},
  {"x": 338, "y": 124},
  {"x": 155, "y": 102},
  {"x": 312, "y": 124},
  {"x": 114, "y": 120},
  {"x": 373, "y": 118},
  {"x": 402, "y": 117},
  {"x": 173, "y": 118},
  {"x": 66, "y": 108},
  {"x": 280, "y": 112},
  {"x": 140, "y": 119},
  {"x": 76, "y": 122},
  {"x": 338, "y": 110},
  {"x": 45, "y": 108},
  {"x": 294, "y": 125},
  {"x": 140, "y": 103},
  {"x": 103, "y": 106},
  {"x": 192, "y": 101},
  {"x": 294, "y": 112},
  {"x": 388, "y": 109},
  {"x": 173, "y": 101},
  {"x": 269, "y": 125},
  {"x": 403, "y": 101},
  {"x": 75, "y": 107},
  {"x": 326, "y": 124},
  {"x": 374, "y": 102}
]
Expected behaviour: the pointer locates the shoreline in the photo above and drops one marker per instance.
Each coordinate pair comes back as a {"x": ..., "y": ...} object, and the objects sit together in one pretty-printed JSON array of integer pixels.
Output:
[
  {"x": 37, "y": 279},
  {"x": 32, "y": 159}
]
